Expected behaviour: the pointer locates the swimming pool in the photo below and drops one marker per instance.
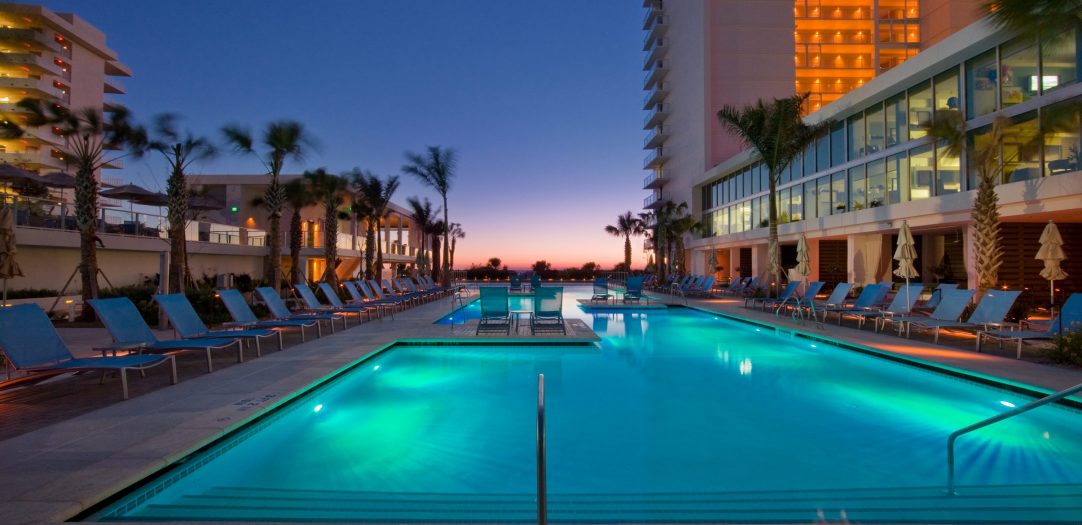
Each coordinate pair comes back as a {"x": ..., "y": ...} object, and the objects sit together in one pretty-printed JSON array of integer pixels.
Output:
[{"x": 677, "y": 415}]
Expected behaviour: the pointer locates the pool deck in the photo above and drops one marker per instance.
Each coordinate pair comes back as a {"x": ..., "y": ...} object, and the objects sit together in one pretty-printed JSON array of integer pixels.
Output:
[{"x": 53, "y": 473}]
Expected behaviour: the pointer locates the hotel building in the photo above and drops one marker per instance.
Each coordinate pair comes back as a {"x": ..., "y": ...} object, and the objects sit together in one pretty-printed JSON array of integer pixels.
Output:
[
  {"x": 56, "y": 57},
  {"x": 851, "y": 190}
]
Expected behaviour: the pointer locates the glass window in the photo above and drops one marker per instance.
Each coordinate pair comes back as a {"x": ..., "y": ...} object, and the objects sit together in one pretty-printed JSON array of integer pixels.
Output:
[
  {"x": 877, "y": 183},
  {"x": 734, "y": 219},
  {"x": 822, "y": 153},
  {"x": 755, "y": 187},
  {"x": 745, "y": 215},
  {"x": 1061, "y": 143},
  {"x": 896, "y": 113},
  {"x": 858, "y": 191},
  {"x": 809, "y": 160},
  {"x": 1018, "y": 72},
  {"x": 948, "y": 176},
  {"x": 748, "y": 175},
  {"x": 978, "y": 142},
  {"x": 786, "y": 174},
  {"x": 837, "y": 144},
  {"x": 809, "y": 200},
  {"x": 1060, "y": 61},
  {"x": 897, "y": 178},
  {"x": 946, "y": 91},
  {"x": 783, "y": 206},
  {"x": 1021, "y": 153},
  {"x": 756, "y": 213},
  {"x": 764, "y": 178},
  {"x": 981, "y": 85},
  {"x": 724, "y": 221},
  {"x": 855, "y": 129},
  {"x": 796, "y": 204},
  {"x": 920, "y": 109},
  {"x": 839, "y": 197},
  {"x": 764, "y": 212},
  {"x": 921, "y": 172},
  {"x": 823, "y": 187},
  {"x": 873, "y": 122}
]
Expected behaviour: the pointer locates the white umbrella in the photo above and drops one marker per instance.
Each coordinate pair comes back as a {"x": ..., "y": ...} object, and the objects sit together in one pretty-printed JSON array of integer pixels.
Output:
[
  {"x": 8, "y": 267},
  {"x": 712, "y": 261},
  {"x": 905, "y": 254},
  {"x": 803, "y": 261},
  {"x": 1051, "y": 253}
]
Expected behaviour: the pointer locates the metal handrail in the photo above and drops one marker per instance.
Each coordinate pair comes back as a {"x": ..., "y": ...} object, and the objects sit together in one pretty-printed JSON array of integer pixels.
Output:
[
  {"x": 995, "y": 419},
  {"x": 542, "y": 505}
]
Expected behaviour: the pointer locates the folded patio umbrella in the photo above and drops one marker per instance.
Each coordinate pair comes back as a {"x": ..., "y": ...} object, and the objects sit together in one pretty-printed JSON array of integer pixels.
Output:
[
  {"x": 905, "y": 254},
  {"x": 803, "y": 260},
  {"x": 8, "y": 267},
  {"x": 1051, "y": 253}
]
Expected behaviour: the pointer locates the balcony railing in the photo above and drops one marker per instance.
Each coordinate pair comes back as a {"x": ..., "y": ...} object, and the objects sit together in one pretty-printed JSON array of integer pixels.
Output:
[
  {"x": 655, "y": 95},
  {"x": 654, "y": 159},
  {"x": 657, "y": 52},
  {"x": 655, "y": 138},
  {"x": 655, "y": 74},
  {"x": 655, "y": 116},
  {"x": 658, "y": 28},
  {"x": 27, "y": 84}
]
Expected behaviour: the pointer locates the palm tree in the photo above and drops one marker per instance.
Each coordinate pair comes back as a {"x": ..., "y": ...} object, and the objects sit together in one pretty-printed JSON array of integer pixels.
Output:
[
  {"x": 436, "y": 168},
  {"x": 329, "y": 190},
  {"x": 626, "y": 226},
  {"x": 281, "y": 141},
  {"x": 180, "y": 152},
  {"x": 456, "y": 233},
  {"x": 298, "y": 196},
  {"x": 778, "y": 134},
  {"x": 422, "y": 216},
  {"x": 375, "y": 194},
  {"x": 680, "y": 226},
  {"x": 1044, "y": 19},
  {"x": 650, "y": 231},
  {"x": 89, "y": 137},
  {"x": 436, "y": 229}
]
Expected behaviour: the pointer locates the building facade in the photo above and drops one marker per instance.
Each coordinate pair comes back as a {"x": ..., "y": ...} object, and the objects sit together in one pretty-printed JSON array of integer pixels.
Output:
[
  {"x": 851, "y": 191},
  {"x": 58, "y": 58}
]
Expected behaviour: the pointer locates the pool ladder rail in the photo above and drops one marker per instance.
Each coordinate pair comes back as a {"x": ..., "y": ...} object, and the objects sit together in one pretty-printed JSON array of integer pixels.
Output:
[{"x": 996, "y": 419}]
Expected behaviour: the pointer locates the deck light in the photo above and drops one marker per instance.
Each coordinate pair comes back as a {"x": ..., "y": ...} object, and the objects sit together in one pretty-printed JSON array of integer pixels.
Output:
[
  {"x": 318, "y": 408},
  {"x": 1007, "y": 404}
]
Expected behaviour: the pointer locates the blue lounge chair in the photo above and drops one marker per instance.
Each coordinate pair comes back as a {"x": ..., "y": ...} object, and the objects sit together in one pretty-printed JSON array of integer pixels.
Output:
[
  {"x": 633, "y": 292},
  {"x": 356, "y": 297},
  {"x": 937, "y": 295},
  {"x": 409, "y": 286},
  {"x": 244, "y": 317},
  {"x": 703, "y": 288},
  {"x": 991, "y": 311},
  {"x": 950, "y": 308},
  {"x": 389, "y": 295},
  {"x": 130, "y": 332},
  {"x": 336, "y": 303},
  {"x": 1068, "y": 320},
  {"x": 188, "y": 325},
  {"x": 754, "y": 286},
  {"x": 734, "y": 287},
  {"x": 311, "y": 302},
  {"x": 280, "y": 311},
  {"x": 601, "y": 290},
  {"x": 516, "y": 283},
  {"x": 869, "y": 297},
  {"x": 902, "y": 304},
  {"x": 429, "y": 284},
  {"x": 495, "y": 310},
  {"x": 32, "y": 345},
  {"x": 548, "y": 313},
  {"x": 372, "y": 297},
  {"x": 790, "y": 289}
]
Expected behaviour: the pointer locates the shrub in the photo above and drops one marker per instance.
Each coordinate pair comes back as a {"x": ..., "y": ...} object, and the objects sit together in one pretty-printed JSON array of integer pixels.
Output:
[
  {"x": 1066, "y": 349},
  {"x": 142, "y": 295},
  {"x": 31, "y": 293}
]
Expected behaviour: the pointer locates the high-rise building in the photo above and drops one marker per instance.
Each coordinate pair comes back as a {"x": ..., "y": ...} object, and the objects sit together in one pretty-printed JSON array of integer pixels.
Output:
[
  {"x": 56, "y": 57},
  {"x": 704, "y": 54}
]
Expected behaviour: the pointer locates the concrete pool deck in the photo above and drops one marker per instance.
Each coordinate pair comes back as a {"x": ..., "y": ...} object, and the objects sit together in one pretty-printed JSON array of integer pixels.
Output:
[{"x": 52, "y": 474}]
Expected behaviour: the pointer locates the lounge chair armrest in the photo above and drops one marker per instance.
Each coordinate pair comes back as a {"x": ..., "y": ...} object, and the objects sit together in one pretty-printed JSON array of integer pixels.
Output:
[{"x": 114, "y": 348}]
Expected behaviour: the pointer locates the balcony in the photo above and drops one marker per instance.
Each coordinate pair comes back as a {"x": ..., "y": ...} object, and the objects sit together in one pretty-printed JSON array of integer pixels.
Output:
[
  {"x": 114, "y": 86},
  {"x": 655, "y": 201},
  {"x": 654, "y": 181},
  {"x": 654, "y": 54},
  {"x": 656, "y": 95},
  {"x": 37, "y": 40},
  {"x": 32, "y": 62},
  {"x": 656, "y": 138},
  {"x": 655, "y": 159},
  {"x": 656, "y": 31},
  {"x": 655, "y": 117},
  {"x": 655, "y": 75},
  {"x": 653, "y": 10},
  {"x": 40, "y": 88},
  {"x": 32, "y": 160}
]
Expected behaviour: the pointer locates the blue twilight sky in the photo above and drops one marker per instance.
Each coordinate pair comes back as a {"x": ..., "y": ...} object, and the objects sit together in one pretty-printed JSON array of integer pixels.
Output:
[{"x": 542, "y": 99}]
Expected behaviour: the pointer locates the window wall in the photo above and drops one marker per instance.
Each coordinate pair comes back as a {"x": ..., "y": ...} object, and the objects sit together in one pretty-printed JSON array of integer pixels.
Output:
[{"x": 981, "y": 85}]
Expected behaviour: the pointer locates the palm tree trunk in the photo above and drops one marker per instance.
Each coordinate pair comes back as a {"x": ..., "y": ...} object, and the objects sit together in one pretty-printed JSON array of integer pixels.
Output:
[
  {"x": 773, "y": 257},
  {"x": 276, "y": 251},
  {"x": 446, "y": 244},
  {"x": 296, "y": 242},
  {"x": 379, "y": 252},
  {"x": 86, "y": 213},
  {"x": 452, "y": 253},
  {"x": 177, "y": 189},
  {"x": 436, "y": 252},
  {"x": 330, "y": 244}
]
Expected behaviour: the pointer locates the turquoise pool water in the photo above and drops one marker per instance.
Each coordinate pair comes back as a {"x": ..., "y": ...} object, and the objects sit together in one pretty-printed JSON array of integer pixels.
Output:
[{"x": 676, "y": 415}]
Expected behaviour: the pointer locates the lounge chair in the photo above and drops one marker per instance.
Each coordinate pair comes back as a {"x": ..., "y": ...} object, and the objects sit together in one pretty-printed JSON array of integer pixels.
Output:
[
  {"x": 754, "y": 286},
  {"x": 377, "y": 289},
  {"x": 1068, "y": 320},
  {"x": 188, "y": 325},
  {"x": 937, "y": 295},
  {"x": 601, "y": 290},
  {"x": 535, "y": 281},
  {"x": 408, "y": 285},
  {"x": 790, "y": 289},
  {"x": 311, "y": 302},
  {"x": 869, "y": 297},
  {"x": 130, "y": 332},
  {"x": 902, "y": 304},
  {"x": 32, "y": 345},
  {"x": 495, "y": 310},
  {"x": 336, "y": 303},
  {"x": 993, "y": 308},
  {"x": 949, "y": 309},
  {"x": 244, "y": 317},
  {"x": 548, "y": 311},
  {"x": 633, "y": 292},
  {"x": 280, "y": 311},
  {"x": 400, "y": 291},
  {"x": 734, "y": 287},
  {"x": 516, "y": 283},
  {"x": 373, "y": 298},
  {"x": 703, "y": 288}
]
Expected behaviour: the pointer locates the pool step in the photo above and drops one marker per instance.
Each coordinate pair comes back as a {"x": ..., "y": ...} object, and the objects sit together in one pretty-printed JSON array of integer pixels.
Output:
[{"x": 1026, "y": 503}]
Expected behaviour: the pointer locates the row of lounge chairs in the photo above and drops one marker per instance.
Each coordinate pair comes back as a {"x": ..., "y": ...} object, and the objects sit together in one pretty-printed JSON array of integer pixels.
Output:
[{"x": 33, "y": 345}]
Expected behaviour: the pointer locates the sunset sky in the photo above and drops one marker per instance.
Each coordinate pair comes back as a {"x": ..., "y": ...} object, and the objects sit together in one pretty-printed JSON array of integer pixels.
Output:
[{"x": 542, "y": 100}]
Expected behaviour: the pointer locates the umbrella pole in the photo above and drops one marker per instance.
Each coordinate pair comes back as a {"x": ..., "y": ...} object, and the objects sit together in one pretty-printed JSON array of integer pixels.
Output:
[{"x": 908, "y": 299}]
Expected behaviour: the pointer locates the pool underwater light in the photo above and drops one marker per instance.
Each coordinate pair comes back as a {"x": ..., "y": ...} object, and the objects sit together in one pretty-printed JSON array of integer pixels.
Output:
[
  {"x": 318, "y": 408},
  {"x": 1007, "y": 404}
]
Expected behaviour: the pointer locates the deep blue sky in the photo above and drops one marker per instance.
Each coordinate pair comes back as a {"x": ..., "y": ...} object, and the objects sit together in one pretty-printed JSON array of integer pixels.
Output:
[{"x": 542, "y": 100}]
